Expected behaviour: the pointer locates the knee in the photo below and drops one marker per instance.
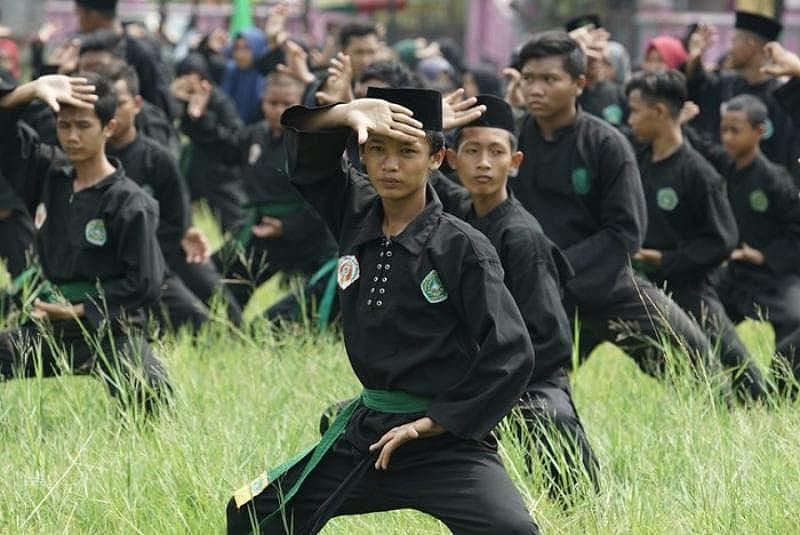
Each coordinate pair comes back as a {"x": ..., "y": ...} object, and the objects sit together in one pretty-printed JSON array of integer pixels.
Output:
[{"x": 517, "y": 524}]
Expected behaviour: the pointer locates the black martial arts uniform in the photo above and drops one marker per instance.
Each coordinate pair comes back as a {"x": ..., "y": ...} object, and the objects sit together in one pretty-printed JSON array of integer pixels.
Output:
[
  {"x": 584, "y": 189},
  {"x": 425, "y": 313},
  {"x": 16, "y": 230},
  {"x": 766, "y": 203},
  {"x": 691, "y": 222},
  {"x": 607, "y": 101},
  {"x": 306, "y": 244},
  {"x": 103, "y": 236},
  {"x": 205, "y": 164},
  {"x": 781, "y": 140},
  {"x": 533, "y": 268}
]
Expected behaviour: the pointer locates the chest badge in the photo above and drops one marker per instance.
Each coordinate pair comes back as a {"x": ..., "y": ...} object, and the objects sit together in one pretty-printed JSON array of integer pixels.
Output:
[
  {"x": 432, "y": 288},
  {"x": 347, "y": 271},
  {"x": 254, "y": 154},
  {"x": 613, "y": 114},
  {"x": 769, "y": 129},
  {"x": 581, "y": 183},
  {"x": 95, "y": 232},
  {"x": 759, "y": 201},
  {"x": 40, "y": 216},
  {"x": 667, "y": 199}
]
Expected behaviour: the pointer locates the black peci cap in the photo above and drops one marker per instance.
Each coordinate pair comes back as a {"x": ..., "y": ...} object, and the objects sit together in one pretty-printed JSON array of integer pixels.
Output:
[
  {"x": 99, "y": 5},
  {"x": 583, "y": 20},
  {"x": 497, "y": 115},
  {"x": 765, "y": 27},
  {"x": 425, "y": 103}
]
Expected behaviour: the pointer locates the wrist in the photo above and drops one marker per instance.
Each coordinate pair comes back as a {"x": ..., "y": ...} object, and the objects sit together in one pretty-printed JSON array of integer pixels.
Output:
[{"x": 22, "y": 94}]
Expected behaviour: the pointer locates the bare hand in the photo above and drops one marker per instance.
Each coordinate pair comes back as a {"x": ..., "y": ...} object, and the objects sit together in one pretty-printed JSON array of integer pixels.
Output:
[
  {"x": 274, "y": 25},
  {"x": 701, "y": 40},
  {"x": 269, "y": 227},
  {"x": 57, "y": 89},
  {"x": 182, "y": 88},
  {"x": 689, "y": 111},
  {"x": 747, "y": 254},
  {"x": 375, "y": 116},
  {"x": 514, "y": 95},
  {"x": 46, "y": 31},
  {"x": 457, "y": 111},
  {"x": 56, "y": 311},
  {"x": 198, "y": 100},
  {"x": 782, "y": 62},
  {"x": 217, "y": 40},
  {"x": 338, "y": 86},
  {"x": 65, "y": 56},
  {"x": 195, "y": 245},
  {"x": 397, "y": 436},
  {"x": 649, "y": 256},
  {"x": 593, "y": 41},
  {"x": 296, "y": 63}
]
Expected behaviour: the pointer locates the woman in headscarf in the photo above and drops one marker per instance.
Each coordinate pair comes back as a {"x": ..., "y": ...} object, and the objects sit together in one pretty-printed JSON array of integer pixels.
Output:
[
  {"x": 241, "y": 80},
  {"x": 663, "y": 53}
]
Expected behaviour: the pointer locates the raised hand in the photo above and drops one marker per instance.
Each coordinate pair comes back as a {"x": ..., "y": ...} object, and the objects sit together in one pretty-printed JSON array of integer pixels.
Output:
[
  {"x": 514, "y": 94},
  {"x": 198, "y": 99},
  {"x": 338, "y": 86},
  {"x": 689, "y": 111},
  {"x": 700, "y": 41},
  {"x": 781, "y": 61},
  {"x": 458, "y": 111},
  {"x": 375, "y": 116},
  {"x": 58, "y": 89},
  {"x": 296, "y": 63},
  {"x": 274, "y": 25}
]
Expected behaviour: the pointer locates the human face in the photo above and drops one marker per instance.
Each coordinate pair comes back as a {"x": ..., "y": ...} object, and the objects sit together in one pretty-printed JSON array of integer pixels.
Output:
[
  {"x": 91, "y": 60},
  {"x": 398, "y": 170},
  {"x": 360, "y": 90},
  {"x": 744, "y": 47},
  {"x": 128, "y": 107},
  {"x": 739, "y": 137},
  {"x": 484, "y": 160},
  {"x": 548, "y": 89},
  {"x": 653, "y": 62},
  {"x": 242, "y": 54},
  {"x": 646, "y": 119},
  {"x": 276, "y": 100},
  {"x": 362, "y": 51},
  {"x": 80, "y": 133}
]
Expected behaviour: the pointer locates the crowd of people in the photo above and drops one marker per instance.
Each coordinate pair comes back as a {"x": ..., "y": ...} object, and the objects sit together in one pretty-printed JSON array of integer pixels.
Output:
[{"x": 473, "y": 232}]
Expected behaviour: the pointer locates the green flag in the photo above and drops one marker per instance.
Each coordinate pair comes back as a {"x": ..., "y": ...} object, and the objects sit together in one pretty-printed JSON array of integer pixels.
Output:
[{"x": 241, "y": 17}]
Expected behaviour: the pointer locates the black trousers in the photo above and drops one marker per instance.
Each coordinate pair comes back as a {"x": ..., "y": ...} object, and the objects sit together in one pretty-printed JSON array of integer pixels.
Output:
[
  {"x": 700, "y": 299},
  {"x": 462, "y": 483},
  {"x": 125, "y": 362},
  {"x": 205, "y": 281},
  {"x": 17, "y": 237},
  {"x": 559, "y": 440},
  {"x": 772, "y": 298},
  {"x": 178, "y": 306},
  {"x": 638, "y": 318}
]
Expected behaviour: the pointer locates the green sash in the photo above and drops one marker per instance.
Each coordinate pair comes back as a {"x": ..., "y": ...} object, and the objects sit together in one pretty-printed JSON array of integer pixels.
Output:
[
  {"x": 326, "y": 302},
  {"x": 377, "y": 400},
  {"x": 257, "y": 211},
  {"x": 71, "y": 292}
]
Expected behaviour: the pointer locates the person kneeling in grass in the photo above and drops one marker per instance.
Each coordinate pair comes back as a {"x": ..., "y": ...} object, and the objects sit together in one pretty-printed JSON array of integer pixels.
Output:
[
  {"x": 430, "y": 329},
  {"x": 96, "y": 242}
]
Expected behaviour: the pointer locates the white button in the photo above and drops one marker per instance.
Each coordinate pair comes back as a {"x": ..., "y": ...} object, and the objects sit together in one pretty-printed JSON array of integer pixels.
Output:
[
  {"x": 381, "y": 291},
  {"x": 372, "y": 290},
  {"x": 369, "y": 301},
  {"x": 379, "y": 302},
  {"x": 381, "y": 254},
  {"x": 384, "y": 279},
  {"x": 387, "y": 266},
  {"x": 388, "y": 253},
  {"x": 380, "y": 266},
  {"x": 374, "y": 279}
]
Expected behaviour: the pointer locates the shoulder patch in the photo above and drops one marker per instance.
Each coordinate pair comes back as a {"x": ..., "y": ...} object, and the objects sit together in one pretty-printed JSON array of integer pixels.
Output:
[
  {"x": 347, "y": 271},
  {"x": 667, "y": 199},
  {"x": 769, "y": 128},
  {"x": 254, "y": 154},
  {"x": 613, "y": 114},
  {"x": 40, "y": 216},
  {"x": 432, "y": 288},
  {"x": 759, "y": 201},
  {"x": 95, "y": 232},
  {"x": 149, "y": 190},
  {"x": 581, "y": 182}
]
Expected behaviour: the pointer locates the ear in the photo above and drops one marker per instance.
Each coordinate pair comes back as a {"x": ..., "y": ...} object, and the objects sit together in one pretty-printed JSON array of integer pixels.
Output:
[
  {"x": 110, "y": 128},
  {"x": 516, "y": 161},
  {"x": 452, "y": 157},
  {"x": 138, "y": 102},
  {"x": 580, "y": 81},
  {"x": 436, "y": 159}
]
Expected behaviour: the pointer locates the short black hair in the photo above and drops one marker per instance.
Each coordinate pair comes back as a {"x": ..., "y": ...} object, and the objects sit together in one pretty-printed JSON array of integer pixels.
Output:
[
  {"x": 120, "y": 71},
  {"x": 668, "y": 87},
  {"x": 393, "y": 73},
  {"x": 106, "y": 104},
  {"x": 355, "y": 29},
  {"x": 753, "y": 107},
  {"x": 103, "y": 41},
  {"x": 555, "y": 43},
  {"x": 459, "y": 133},
  {"x": 435, "y": 140}
]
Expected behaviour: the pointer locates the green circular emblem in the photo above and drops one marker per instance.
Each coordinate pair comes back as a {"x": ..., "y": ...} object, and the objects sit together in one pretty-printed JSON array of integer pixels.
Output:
[
  {"x": 95, "y": 232},
  {"x": 769, "y": 128},
  {"x": 667, "y": 199},
  {"x": 580, "y": 181},
  {"x": 759, "y": 201},
  {"x": 613, "y": 114},
  {"x": 148, "y": 189},
  {"x": 432, "y": 288}
]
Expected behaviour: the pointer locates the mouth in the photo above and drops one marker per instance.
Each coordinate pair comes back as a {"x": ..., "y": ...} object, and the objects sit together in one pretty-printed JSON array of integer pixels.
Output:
[
  {"x": 389, "y": 182},
  {"x": 482, "y": 179}
]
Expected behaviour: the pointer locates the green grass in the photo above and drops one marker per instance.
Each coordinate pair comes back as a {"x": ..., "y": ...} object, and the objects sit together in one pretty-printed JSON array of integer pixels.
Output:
[{"x": 672, "y": 460}]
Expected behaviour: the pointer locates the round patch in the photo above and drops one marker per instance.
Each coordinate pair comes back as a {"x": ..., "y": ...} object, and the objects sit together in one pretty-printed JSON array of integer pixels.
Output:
[
  {"x": 149, "y": 190},
  {"x": 432, "y": 288},
  {"x": 254, "y": 154},
  {"x": 613, "y": 114},
  {"x": 667, "y": 199},
  {"x": 759, "y": 201},
  {"x": 95, "y": 232},
  {"x": 347, "y": 271},
  {"x": 769, "y": 129},
  {"x": 40, "y": 216},
  {"x": 581, "y": 183}
]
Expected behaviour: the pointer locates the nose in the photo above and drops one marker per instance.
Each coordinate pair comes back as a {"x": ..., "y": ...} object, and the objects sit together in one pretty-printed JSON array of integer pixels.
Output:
[{"x": 390, "y": 163}]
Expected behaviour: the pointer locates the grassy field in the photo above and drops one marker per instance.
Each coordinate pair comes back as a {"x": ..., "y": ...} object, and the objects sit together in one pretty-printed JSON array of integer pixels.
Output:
[{"x": 672, "y": 459}]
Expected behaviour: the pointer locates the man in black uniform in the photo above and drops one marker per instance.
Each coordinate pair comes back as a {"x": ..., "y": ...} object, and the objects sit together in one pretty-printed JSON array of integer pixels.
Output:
[
  {"x": 283, "y": 233},
  {"x": 690, "y": 228},
  {"x": 16, "y": 229},
  {"x": 762, "y": 278},
  {"x": 430, "y": 329},
  {"x": 781, "y": 137},
  {"x": 580, "y": 180},
  {"x": 96, "y": 242},
  {"x": 484, "y": 154}
]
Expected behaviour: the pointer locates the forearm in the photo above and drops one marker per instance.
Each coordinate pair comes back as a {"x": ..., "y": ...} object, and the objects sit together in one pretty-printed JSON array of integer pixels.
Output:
[
  {"x": 323, "y": 119},
  {"x": 21, "y": 95}
]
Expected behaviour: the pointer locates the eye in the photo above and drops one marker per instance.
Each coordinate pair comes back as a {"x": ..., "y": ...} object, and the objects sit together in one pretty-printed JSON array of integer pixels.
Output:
[
  {"x": 408, "y": 150},
  {"x": 471, "y": 150}
]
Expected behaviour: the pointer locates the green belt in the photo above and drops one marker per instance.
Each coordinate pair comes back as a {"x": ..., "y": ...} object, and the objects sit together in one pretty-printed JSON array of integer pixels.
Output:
[
  {"x": 326, "y": 302},
  {"x": 377, "y": 400},
  {"x": 72, "y": 292},
  {"x": 257, "y": 211}
]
